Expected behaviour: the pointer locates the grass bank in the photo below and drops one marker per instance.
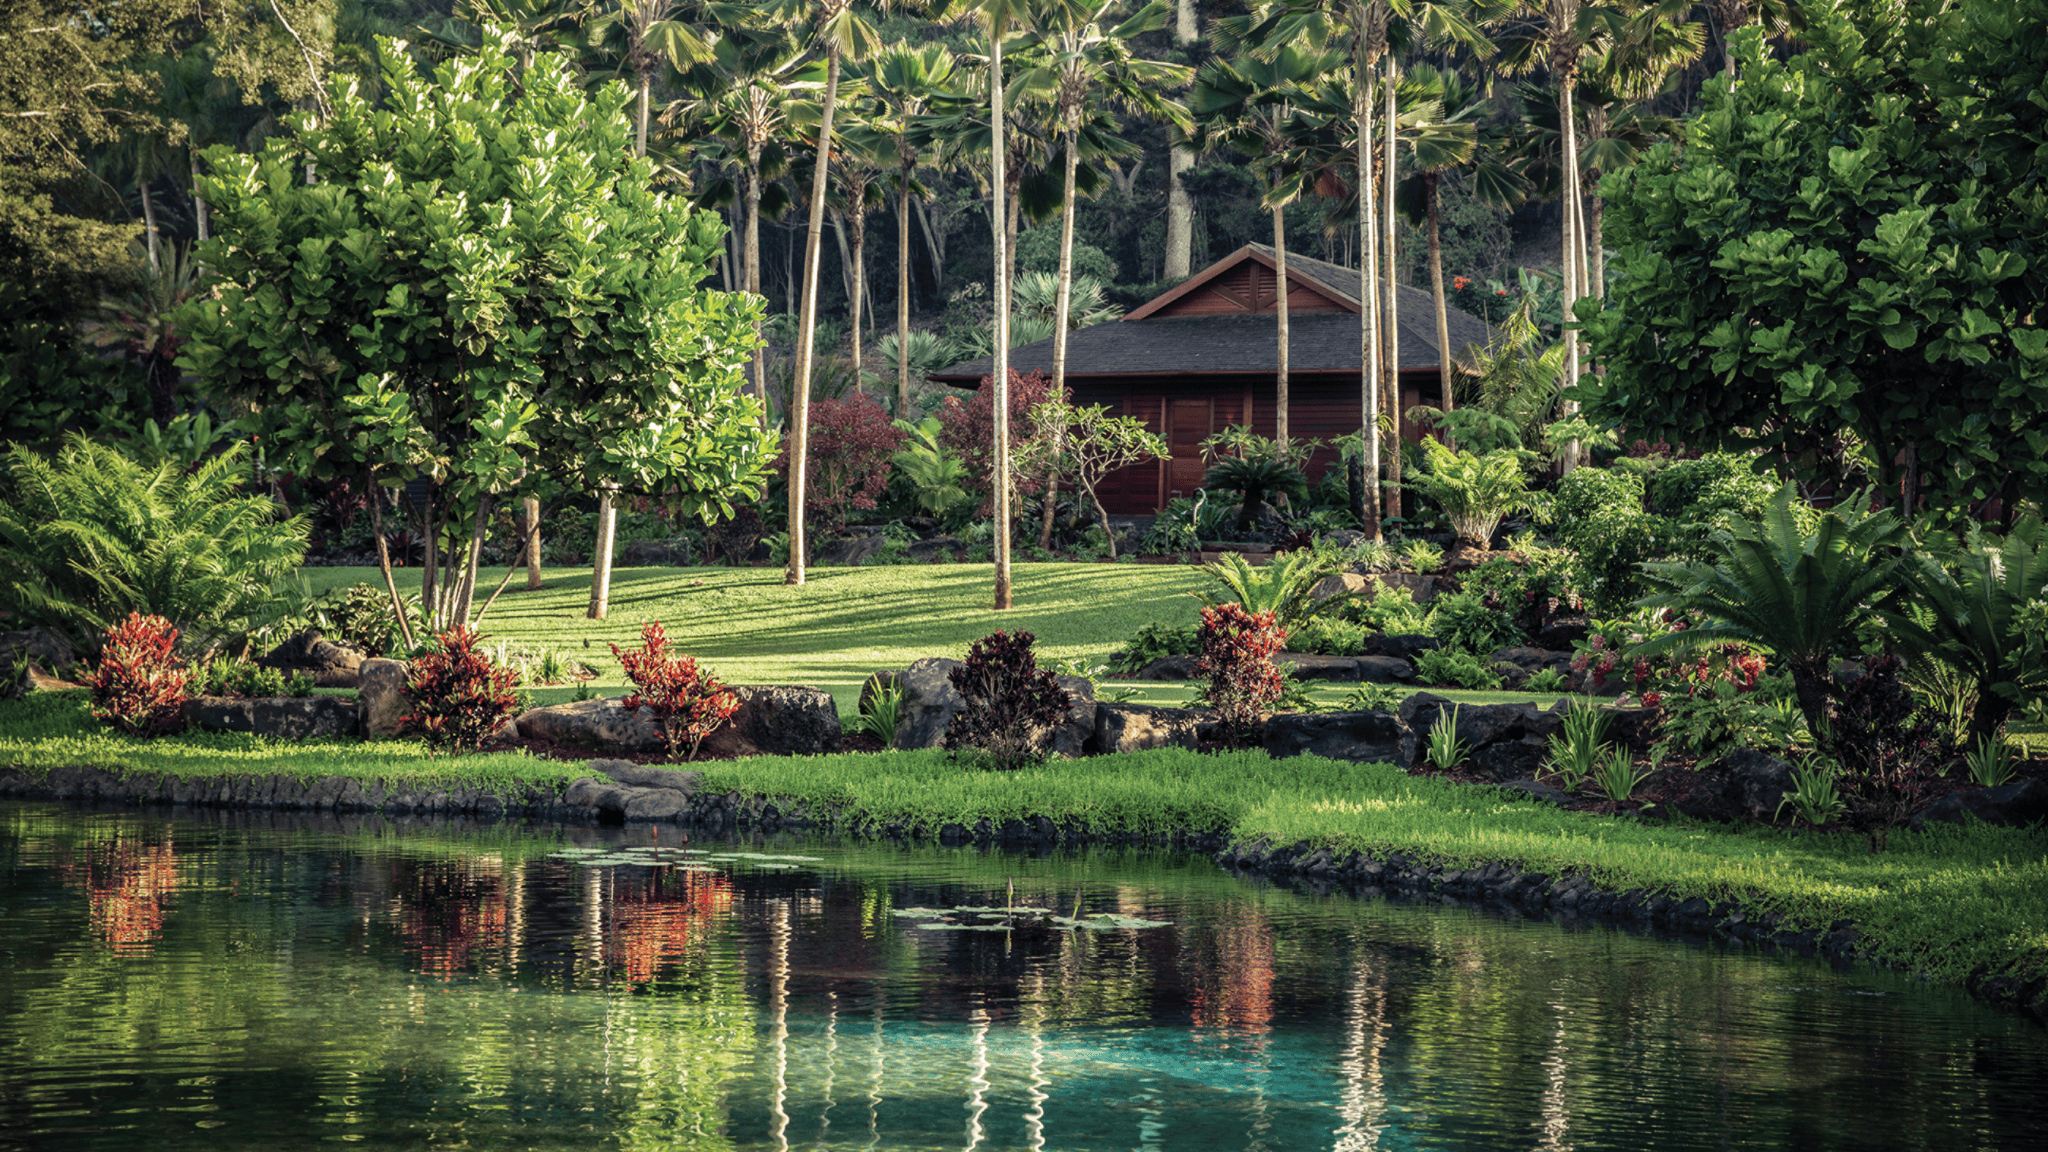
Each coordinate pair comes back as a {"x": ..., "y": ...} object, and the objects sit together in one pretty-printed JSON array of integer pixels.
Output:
[{"x": 1947, "y": 901}]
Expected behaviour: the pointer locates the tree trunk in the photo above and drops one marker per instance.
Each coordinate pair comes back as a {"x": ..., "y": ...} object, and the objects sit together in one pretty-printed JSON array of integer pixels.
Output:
[
  {"x": 999, "y": 187},
  {"x": 1436, "y": 286},
  {"x": 199, "y": 211},
  {"x": 1369, "y": 307},
  {"x": 1280, "y": 399},
  {"x": 601, "y": 555},
  {"x": 404, "y": 618},
  {"x": 806, "y": 328},
  {"x": 935, "y": 248},
  {"x": 1063, "y": 295},
  {"x": 903, "y": 299},
  {"x": 1180, "y": 208},
  {"x": 1393, "y": 301},
  {"x": 148, "y": 221},
  {"x": 533, "y": 581},
  {"x": 754, "y": 273},
  {"x": 859, "y": 227},
  {"x": 465, "y": 587},
  {"x": 1571, "y": 255},
  {"x": 640, "y": 120}
]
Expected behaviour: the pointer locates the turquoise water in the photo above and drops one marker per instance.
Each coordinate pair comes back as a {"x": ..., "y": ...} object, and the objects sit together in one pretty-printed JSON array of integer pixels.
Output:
[{"x": 243, "y": 982}]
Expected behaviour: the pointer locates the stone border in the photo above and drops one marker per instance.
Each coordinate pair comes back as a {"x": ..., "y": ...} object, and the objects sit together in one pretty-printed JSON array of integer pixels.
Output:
[{"x": 626, "y": 793}]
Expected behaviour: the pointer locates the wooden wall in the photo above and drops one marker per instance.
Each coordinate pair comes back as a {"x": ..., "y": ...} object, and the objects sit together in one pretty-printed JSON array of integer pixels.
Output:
[{"x": 1188, "y": 411}]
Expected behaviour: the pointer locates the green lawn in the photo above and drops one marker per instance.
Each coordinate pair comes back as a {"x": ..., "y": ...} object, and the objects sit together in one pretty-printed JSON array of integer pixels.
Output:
[{"x": 748, "y": 627}]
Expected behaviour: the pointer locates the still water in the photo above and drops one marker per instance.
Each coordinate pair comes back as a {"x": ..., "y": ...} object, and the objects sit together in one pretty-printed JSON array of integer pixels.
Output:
[{"x": 248, "y": 982}]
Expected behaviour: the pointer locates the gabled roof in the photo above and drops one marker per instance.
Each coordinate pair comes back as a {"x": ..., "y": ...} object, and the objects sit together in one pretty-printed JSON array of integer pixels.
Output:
[
  {"x": 1181, "y": 346},
  {"x": 1145, "y": 344}
]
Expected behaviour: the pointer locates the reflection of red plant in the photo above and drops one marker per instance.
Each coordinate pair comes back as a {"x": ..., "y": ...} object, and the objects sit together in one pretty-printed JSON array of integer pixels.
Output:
[
  {"x": 451, "y": 912},
  {"x": 1237, "y": 992},
  {"x": 656, "y": 920},
  {"x": 125, "y": 887}
]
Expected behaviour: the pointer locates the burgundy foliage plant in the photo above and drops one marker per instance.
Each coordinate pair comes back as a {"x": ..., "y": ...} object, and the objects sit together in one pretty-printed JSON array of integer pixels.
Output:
[
  {"x": 139, "y": 687},
  {"x": 459, "y": 697},
  {"x": 1010, "y": 702},
  {"x": 688, "y": 703},
  {"x": 1237, "y": 657},
  {"x": 852, "y": 443},
  {"x": 968, "y": 430},
  {"x": 1891, "y": 751}
]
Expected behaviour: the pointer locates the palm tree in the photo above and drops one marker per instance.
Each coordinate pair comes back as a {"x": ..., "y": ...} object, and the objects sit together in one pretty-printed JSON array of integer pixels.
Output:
[
  {"x": 840, "y": 32},
  {"x": 1777, "y": 17},
  {"x": 859, "y": 156},
  {"x": 653, "y": 38},
  {"x": 1088, "y": 71},
  {"x": 904, "y": 81},
  {"x": 1453, "y": 141},
  {"x": 1243, "y": 103}
]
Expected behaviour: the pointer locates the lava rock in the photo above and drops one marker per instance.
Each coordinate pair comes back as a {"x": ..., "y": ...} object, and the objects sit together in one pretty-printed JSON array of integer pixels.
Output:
[
  {"x": 787, "y": 720},
  {"x": 1539, "y": 791},
  {"x": 1342, "y": 584},
  {"x": 1385, "y": 670},
  {"x": 929, "y": 702},
  {"x": 648, "y": 776},
  {"x": 309, "y": 653},
  {"x": 605, "y": 725},
  {"x": 934, "y": 548},
  {"x": 1138, "y": 727},
  {"x": 2017, "y": 804},
  {"x": 43, "y": 651},
  {"x": 1360, "y": 737},
  {"x": 1756, "y": 781},
  {"x": 1507, "y": 741},
  {"x": 1401, "y": 645},
  {"x": 1310, "y": 667},
  {"x": 657, "y": 554},
  {"x": 286, "y": 717},
  {"x": 1171, "y": 668},
  {"x": 380, "y": 697},
  {"x": 850, "y": 551}
]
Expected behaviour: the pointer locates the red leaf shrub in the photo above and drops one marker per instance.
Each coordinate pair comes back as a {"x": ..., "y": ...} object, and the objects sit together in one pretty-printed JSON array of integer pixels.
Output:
[
  {"x": 459, "y": 697},
  {"x": 968, "y": 430},
  {"x": 139, "y": 686},
  {"x": 1891, "y": 750},
  {"x": 1010, "y": 702},
  {"x": 848, "y": 461},
  {"x": 1237, "y": 656},
  {"x": 687, "y": 703}
]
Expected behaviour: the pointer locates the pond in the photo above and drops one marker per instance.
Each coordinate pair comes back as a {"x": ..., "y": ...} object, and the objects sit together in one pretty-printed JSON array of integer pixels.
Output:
[{"x": 236, "y": 981}]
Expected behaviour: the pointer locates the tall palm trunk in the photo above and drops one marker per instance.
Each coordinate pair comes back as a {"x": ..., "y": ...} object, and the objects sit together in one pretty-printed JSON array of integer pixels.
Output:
[
  {"x": 148, "y": 221},
  {"x": 753, "y": 255},
  {"x": 1436, "y": 287},
  {"x": 1180, "y": 207},
  {"x": 1063, "y": 301},
  {"x": 1393, "y": 302},
  {"x": 200, "y": 216},
  {"x": 806, "y": 328},
  {"x": 640, "y": 119},
  {"x": 903, "y": 298},
  {"x": 1573, "y": 255},
  {"x": 1280, "y": 399},
  {"x": 1369, "y": 305},
  {"x": 999, "y": 186}
]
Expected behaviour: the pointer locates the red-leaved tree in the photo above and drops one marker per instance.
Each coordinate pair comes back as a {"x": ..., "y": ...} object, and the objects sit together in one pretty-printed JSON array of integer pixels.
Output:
[
  {"x": 968, "y": 430},
  {"x": 852, "y": 444},
  {"x": 138, "y": 686},
  {"x": 1237, "y": 657},
  {"x": 688, "y": 704}
]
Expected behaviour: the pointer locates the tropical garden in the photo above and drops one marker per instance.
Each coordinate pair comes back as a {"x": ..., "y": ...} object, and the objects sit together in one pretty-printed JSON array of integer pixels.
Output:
[{"x": 509, "y": 341}]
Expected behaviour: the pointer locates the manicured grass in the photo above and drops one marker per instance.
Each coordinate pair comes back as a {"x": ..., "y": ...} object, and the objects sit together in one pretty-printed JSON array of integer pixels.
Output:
[
  {"x": 748, "y": 627},
  {"x": 56, "y": 730}
]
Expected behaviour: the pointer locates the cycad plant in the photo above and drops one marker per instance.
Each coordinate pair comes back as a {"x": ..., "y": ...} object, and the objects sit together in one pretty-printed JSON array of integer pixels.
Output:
[
  {"x": 1475, "y": 492},
  {"x": 1977, "y": 619},
  {"x": 1281, "y": 587},
  {"x": 1802, "y": 593},
  {"x": 88, "y": 536}
]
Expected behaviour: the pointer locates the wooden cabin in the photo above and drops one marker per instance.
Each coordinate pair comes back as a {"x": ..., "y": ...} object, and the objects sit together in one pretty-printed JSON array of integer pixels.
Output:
[{"x": 1200, "y": 358}]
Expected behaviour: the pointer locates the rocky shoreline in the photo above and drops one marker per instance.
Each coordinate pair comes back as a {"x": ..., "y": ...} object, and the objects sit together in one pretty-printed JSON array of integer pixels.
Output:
[{"x": 620, "y": 792}]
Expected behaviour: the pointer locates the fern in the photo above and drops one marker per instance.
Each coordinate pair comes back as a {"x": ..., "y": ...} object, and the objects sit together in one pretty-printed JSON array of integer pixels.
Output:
[{"x": 89, "y": 536}]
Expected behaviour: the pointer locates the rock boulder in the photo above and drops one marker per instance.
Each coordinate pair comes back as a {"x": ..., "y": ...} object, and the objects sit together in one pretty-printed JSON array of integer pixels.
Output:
[
  {"x": 1507, "y": 741},
  {"x": 1363, "y": 737},
  {"x": 331, "y": 665},
  {"x": 285, "y": 717},
  {"x": 1138, "y": 727},
  {"x": 380, "y": 697},
  {"x": 1756, "y": 781},
  {"x": 599, "y": 725},
  {"x": 2016, "y": 804},
  {"x": 787, "y": 720}
]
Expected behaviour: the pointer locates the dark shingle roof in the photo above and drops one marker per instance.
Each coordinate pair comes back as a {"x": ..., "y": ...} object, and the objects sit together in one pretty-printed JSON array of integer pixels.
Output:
[{"x": 1227, "y": 344}]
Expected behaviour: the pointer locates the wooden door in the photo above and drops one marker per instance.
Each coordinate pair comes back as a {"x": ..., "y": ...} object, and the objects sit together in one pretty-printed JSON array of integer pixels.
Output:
[{"x": 1187, "y": 425}]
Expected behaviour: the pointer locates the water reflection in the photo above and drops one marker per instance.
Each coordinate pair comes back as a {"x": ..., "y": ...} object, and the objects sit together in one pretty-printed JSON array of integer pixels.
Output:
[{"x": 231, "y": 984}]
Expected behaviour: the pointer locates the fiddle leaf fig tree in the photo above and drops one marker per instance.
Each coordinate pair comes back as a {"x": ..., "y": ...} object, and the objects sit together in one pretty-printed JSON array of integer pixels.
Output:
[
  {"x": 1827, "y": 272},
  {"x": 474, "y": 281}
]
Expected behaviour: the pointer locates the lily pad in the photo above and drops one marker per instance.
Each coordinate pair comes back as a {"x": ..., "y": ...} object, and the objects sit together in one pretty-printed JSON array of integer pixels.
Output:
[
  {"x": 924, "y": 913},
  {"x": 948, "y": 926}
]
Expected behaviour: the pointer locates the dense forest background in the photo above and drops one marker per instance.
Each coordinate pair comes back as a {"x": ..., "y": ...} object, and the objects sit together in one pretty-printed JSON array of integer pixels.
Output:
[{"x": 105, "y": 113}]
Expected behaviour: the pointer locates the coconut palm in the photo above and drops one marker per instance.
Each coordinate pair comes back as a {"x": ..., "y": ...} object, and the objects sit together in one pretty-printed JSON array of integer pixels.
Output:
[
  {"x": 1453, "y": 141},
  {"x": 1242, "y": 103},
  {"x": 903, "y": 82},
  {"x": 840, "y": 32}
]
